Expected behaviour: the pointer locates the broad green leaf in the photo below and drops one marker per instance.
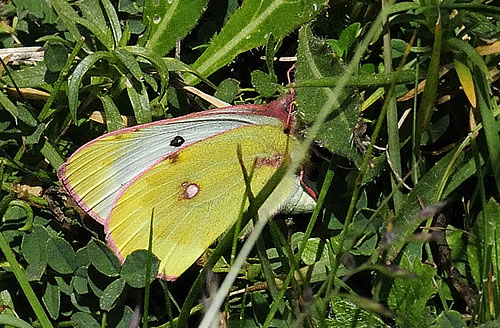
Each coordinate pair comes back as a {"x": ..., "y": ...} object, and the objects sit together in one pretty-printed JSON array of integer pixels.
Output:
[
  {"x": 450, "y": 319},
  {"x": 83, "y": 256},
  {"x": 26, "y": 116},
  {"x": 134, "y": 268},
  {"x": 250, "y": 26},
  {"x": 111, "y": 294},
  {"x": 63, "y": 285},
  {"x": 34, "y": 272},
  {"x": 8, "y": 105},
  {"x": 103, "y": 259},
  {"x": 84, "y": 320},
  {"x": 408, "y": 296},
  {"x": 29, "y": 77},
  {"x": 55, "y": 57},
  {"x": 9, "y": 320},
  {"x": 51, "y": 154},
  {"x": 30, "y": 245},
  {"x": 97, "y": 281},
  {"x": 60, "y": 255},
  {"x": 169, "y": 20},
  {"x": 314, "y": 251},
  {"x": 228, "y": 90},
  {"x": 52, "y": 300},
  {"x": 120, "y": 317},
  {"x": 34, "y": 138},
  {"x": 79, "y": 281},
  {"x": 260, "y": 307},
  {"x": 315, "y": 60},
  {"x": 346, "y": 39}
]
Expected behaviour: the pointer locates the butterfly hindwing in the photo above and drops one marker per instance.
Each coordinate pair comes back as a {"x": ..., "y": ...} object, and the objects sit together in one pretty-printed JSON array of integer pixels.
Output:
[{"x": 196, "y": 195}]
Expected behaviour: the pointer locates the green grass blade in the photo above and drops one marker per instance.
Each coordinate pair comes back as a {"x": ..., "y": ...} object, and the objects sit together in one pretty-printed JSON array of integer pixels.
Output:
[
  {"x": 490, "y": 124},
  {"x": 249, "y": 27},
  {"x": 77, "y": 77},
  {"x": 24, "y": 283}
]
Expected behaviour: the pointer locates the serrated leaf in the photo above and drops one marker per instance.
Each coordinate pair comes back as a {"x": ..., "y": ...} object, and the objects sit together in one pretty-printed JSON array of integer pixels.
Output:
[
  {"x": 169, "y": 20},
  {"x": 266, "y": 85},
  {"x": 408, "y": 296},
  {"x": 250, "y": 26},
  {"x": 348, "y": 314},
  {"x": 315, "y": 60}
]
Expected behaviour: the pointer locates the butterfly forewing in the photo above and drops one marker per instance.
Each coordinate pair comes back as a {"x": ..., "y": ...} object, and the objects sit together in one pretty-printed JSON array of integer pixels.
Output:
[{"x": 96, "y": 173}]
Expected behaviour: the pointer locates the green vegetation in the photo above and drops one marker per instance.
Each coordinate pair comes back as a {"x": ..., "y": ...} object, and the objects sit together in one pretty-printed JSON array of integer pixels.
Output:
[{"x": 397, "y": 99}]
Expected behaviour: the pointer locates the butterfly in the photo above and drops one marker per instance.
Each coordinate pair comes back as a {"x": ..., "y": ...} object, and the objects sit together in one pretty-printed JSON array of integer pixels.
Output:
[{"x": 188, "y": 172}]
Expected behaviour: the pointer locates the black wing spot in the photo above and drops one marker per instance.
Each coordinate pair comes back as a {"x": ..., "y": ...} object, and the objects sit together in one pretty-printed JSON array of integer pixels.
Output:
[{"x": 177, "y": 141}]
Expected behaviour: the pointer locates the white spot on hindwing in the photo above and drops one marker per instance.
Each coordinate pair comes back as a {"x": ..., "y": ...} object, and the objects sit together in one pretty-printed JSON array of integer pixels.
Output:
[{"x": 190, "y": 190}]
